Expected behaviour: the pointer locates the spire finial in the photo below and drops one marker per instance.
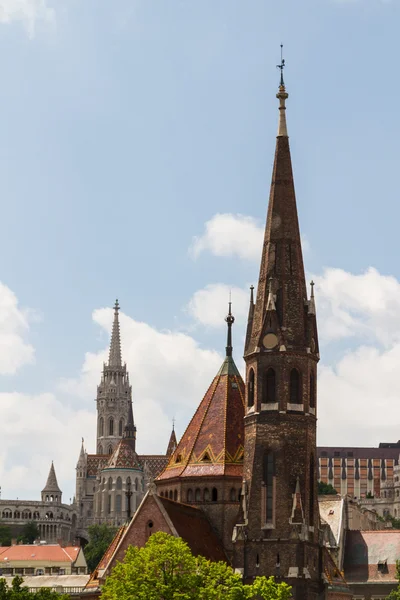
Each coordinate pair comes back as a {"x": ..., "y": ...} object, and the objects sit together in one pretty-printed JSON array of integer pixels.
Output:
[
  {"x": 173, "y": 423},
  {"x": 312, "y": 288},
  {"x": 114, "y": 359},
  {"x": 252, "y": 294},
  {"x": 282, "y": 95},
  {"x": 230, "y": 319},
  {"x": 311, "y": 304},
  {"x": 281, "y": 66}
]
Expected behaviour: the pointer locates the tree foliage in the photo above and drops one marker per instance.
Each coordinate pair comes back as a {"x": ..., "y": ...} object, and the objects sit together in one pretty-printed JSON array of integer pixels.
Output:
[
  {"x": 326, "y": 489},
  {"x": 30, "y": 533},
  {"x": 19, "y": 592},
  {"x": 165, "y": 569},
  {"x": 395, "y": 594},
  {"x": 5, "y": 535},
  {"x": 100, "y": 537}
]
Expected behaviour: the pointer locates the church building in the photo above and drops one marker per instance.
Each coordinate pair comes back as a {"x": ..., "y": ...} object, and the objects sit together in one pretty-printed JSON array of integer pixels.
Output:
[{"x": 242, "y": 482}]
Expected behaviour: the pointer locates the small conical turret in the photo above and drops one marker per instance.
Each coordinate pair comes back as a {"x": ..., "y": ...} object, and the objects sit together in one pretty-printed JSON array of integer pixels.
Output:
[
  {"x": 172, "y": 444},
  {"x": 130, "y": 429},
  {"x": 115, "y": 359},
  {"x": 81, "y": 458},
  {"x": 51, "y": 491},
  {"x": 249, "y": 319}
]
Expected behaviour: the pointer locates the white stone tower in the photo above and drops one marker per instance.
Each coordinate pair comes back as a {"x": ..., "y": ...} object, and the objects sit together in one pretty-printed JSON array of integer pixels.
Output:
[{"x": 114, "y": 395}]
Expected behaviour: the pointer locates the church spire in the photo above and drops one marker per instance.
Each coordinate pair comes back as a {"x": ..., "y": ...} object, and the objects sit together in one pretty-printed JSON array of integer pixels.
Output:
[
  {"x": 281, "y": 271},
  {"x": 130, "y": 429},
  {"x": 115, "y": 359},
  {"x": 172, "y": 444},
  {"x": 230, "y": 319}
]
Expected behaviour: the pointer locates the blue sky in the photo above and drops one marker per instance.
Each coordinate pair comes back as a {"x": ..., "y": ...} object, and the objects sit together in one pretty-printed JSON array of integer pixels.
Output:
[{"x": 125, "y": 127}]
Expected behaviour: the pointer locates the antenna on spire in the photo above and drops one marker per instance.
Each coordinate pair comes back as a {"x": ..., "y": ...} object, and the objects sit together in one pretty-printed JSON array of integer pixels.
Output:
[{"x": 281, "y": 67}]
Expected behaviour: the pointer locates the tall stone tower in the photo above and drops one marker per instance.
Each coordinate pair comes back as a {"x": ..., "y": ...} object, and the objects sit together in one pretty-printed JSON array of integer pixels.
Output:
[
  {"x": 114, "y": 395},
  {"x": 279, "y": 532}
]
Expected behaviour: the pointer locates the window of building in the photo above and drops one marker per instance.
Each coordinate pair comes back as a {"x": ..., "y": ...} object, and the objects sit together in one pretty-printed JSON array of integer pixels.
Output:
[
  {"x": 214, "y": 495},
  {"x": 189, "y": 496},
  {"x": 250, "y": 389},
  {"x": 110, "y": 450},
  {"x": 197, "y": 495},
  {"x": 109, "y": 504},
  {"x": 119, "y": 483},
  {"x": 295, "y": 397},
  {"x": 101, "y": 427},
  {"x": 175, "y": 495},
  {"x": 111, "y": 427},
  {"x": 269, "y": 395},
  {"x": 118, "y": 503},
  {"x": 268, "y": 480},
  {"x": 233, "y": 495},
  {"x": 206, "y": 495},
  {"x": 120, "y": 427},
  {"x": 110, "y": 482}
]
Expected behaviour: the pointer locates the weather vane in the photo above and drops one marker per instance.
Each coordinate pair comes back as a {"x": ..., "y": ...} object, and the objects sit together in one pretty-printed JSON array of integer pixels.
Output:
[{"x": 281, "y": 66}]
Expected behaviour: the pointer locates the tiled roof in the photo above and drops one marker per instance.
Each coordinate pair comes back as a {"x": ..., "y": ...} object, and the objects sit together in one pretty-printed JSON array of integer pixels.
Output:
[
  {"x": 370, "y": 556},
  {"x": 124, "y": 456},
  {"x": 193, "y": 526},
  {"x": 35, "y": 553},
  {"x": 96, "y": 462},
  {"x": 153, "y": 464},
  {"x": 212, "y": 444},
  {"x": 93, "y": 582},
  {"x": 51, "y": 483}
]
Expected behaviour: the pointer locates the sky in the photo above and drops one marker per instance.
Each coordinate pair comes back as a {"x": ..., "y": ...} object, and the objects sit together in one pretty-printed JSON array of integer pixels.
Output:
[{"x": 136, "y": 146}]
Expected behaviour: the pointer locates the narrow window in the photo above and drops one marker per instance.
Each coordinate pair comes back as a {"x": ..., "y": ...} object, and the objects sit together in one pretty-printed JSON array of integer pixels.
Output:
[
  {"x": 111, "y": 427},
  {"x": 312, "y": 486},
  {"x": 268, "y": 475},
  {"x": 312, "y": 390},
  {"x": 295, "y": 387},
  {"x": 110, "y": 450},
  {"x": 109, "y": 503},
  {"x": 118, "y": 503},
  {"x": 269, "y": 386},
  {"x": 119, "y": 483},
  {"x": 110, "y": 483},
  {"x": 189, "y": 496},
  {"x": 136, "y": 484},
  {"x": 250, "y": 389},
  {"x": 233, "y": 495},
  {"x": 197, "y": 495},
  {"x": 101, "y": 427},
  {"x": 206, "y": 495},
  {"x": 120, "y": 427},
  {"x": 214, "y": 495},
  {"x": 175, "y": 495},
  {"x": 170, "y": 494}
]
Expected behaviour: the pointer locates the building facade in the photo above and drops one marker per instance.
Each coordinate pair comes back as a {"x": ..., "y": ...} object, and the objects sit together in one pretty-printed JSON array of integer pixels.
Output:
[
  {"x": 56, "y": 521},
  {"x": 110, "y": 484}
]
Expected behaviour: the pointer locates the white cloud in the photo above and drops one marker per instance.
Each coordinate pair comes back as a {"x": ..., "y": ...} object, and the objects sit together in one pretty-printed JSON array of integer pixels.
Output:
[
  {"x": 230, "y": 235},
  {"x": 15, "y": 351},
  {"x": 209, "y": 306},
  {"x": 365, "y": 306},
  {"x": 28, "y": 12}
]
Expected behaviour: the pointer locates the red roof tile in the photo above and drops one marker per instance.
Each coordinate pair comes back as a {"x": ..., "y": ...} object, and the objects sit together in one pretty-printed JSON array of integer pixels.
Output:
[
  {"x": 212, "y": 444},
  {"x": 36, "y": 553}
]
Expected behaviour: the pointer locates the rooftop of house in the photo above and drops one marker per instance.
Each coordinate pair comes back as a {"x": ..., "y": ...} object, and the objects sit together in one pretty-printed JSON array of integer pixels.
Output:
[
  {"x": 370, "y": 556},
  {"x": 39, "y": 553}
]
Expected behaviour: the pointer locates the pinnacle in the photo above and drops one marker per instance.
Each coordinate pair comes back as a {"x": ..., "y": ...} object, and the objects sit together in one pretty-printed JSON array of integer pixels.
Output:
[
  {"x": 115, "y": 359},
  {"x": 51, "y": 483}
]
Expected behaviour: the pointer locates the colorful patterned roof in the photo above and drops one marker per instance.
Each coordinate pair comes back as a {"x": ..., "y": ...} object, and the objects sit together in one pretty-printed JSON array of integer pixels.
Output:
[
  {"x": 212, "y": 444},
  {"x": 153, "y": 464},
  {"x": 95, "y": 463},
  {"x": 124, "y": 456}
]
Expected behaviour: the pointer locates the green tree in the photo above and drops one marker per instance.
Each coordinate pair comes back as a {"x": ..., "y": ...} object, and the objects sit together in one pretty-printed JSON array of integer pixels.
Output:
[
  {"x": 165, "y": 569},
  {"x": 29, "y": 533},
  {"x": 395, "y": 594},
  {"x": 100, "y": 537},
  {"x": 326, "y": 489},
  {"x": 5, "y": 535},
  {"x": 18, "y": 591}
]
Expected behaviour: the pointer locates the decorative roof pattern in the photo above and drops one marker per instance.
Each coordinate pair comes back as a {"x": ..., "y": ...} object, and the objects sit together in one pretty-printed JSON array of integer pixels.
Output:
[
  {"x": 51, "y": 483},
  {"x": 153, "y": 464},
  {"x": 124, "y": 456},
  {"x": 95, "y": 463},
  {"x": 213, "y": 441}
]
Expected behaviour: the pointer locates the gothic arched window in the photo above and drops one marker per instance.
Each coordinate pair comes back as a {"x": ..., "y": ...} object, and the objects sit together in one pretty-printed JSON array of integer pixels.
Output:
[
  {"x": 100, "y": 449},
  {"x": 206, "y": 495},
  {"x": 197, "y": 495},
  {"x": 110, "y": 483},
  {"x": 119, "y": 483},
  {"x": 295, "y": 397},
  {"x": 214, "y": 495},
  {"x": 312, "y": 390},
  {"x": 110, "y": 450},
  {"x": 312, "y": 486},
  {"x": 120, "y": 427},
  {"x": 118, "y": 503},
  {"x": 101, "y": 427},
  {"x": 269, "y": 395},
  {"x": 189, "y": 495},
  {"x": 268, "y": 482},
  {"x": 111, "y": 427},
  {"x": 250, "y": 389}
]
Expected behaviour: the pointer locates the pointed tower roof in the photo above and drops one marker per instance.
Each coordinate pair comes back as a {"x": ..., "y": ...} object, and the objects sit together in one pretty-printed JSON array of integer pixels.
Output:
[
  {"x": 281, "y": 281},
  {"x": 115, "y": 359},
  {"x": 51, "y": 483},
  {"x": 124, "y": 455},
  {"x": 213, "y": 441},
  {"x": 81, "y": 458},
  {"x": 172, "y": 444}
]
